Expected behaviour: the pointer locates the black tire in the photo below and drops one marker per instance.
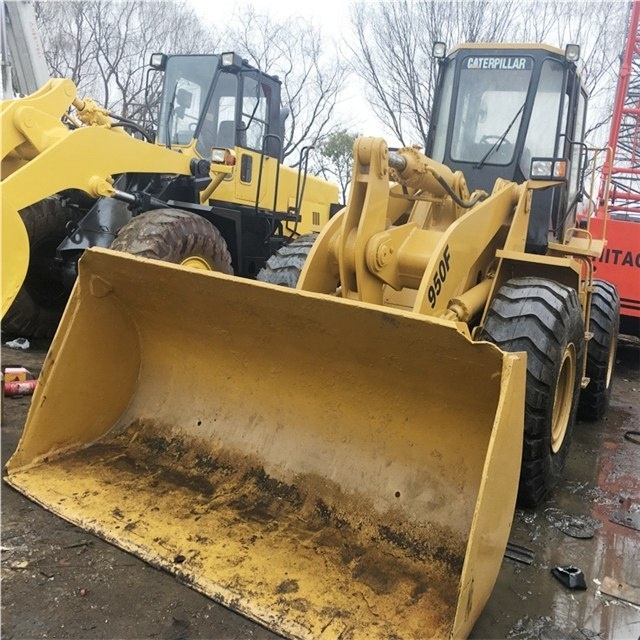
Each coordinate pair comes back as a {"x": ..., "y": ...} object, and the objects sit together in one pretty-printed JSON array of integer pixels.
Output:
[
  {"x": 285, "y": 265},
  {"x": 601, "y": 351},
  {"x": 544, "y": 319},
  {"x": 172, "y": 235},
  {"x": 38, "y": 307}
]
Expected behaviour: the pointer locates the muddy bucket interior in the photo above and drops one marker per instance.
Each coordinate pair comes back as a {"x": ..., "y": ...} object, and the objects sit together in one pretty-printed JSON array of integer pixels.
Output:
[{"x": 327, "y": 468}]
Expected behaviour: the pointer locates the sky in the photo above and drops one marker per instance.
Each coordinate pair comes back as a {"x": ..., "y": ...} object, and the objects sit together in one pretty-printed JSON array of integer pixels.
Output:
[
  {"x": 329, "y": 15},
  {"x": 332, "y": 17}
]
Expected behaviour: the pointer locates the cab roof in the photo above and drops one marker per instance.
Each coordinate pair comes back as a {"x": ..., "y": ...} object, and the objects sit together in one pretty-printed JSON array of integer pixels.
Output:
[{"x": 507, "y": 46}]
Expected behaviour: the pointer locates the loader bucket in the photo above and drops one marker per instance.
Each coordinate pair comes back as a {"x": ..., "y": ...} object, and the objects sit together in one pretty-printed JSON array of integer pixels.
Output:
[{"x": 328, "y": 468}]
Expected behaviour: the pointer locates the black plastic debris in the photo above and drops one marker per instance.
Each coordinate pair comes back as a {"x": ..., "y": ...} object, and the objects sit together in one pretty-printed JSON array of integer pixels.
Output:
[
  {"x": 570, "y": 576},
  {"x": 518, "y": 553}
]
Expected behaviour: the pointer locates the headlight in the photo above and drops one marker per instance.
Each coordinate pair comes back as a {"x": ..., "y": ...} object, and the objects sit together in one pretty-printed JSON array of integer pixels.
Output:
[
  {"x": 572, "y": 52},
  {"x": 231, "y": 61},
  {"x": 158, "y": 61},
  {"x": 223, "y": 156},
  {"x": 217, "y": 155},
  {"x": 549, "y": 169},
  {"x": 541, "y": 168},
  {"x": 439, "y": 50}
]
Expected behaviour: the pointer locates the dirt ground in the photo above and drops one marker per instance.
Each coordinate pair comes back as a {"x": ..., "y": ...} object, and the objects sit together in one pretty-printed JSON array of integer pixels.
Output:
[{"x": 61, "y": 582}]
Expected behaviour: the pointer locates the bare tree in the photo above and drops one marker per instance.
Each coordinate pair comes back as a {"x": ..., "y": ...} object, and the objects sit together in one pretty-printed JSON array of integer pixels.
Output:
[
  {"x": 393, "y": 53},
  {"x": 310, "y": 71},
  {"x": 68, "y": 42},
  {"x": 600, "y": 29},
  {"x": 394, "y": 41},
  {"x": 105, "y": 45}
]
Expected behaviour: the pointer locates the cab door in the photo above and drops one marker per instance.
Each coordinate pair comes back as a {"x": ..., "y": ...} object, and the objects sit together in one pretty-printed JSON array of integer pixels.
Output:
[{"x": 253, "y": 125}]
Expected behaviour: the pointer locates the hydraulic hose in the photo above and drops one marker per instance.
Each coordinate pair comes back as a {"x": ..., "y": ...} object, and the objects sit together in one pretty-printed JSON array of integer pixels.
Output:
[{"x": 399, "y": 163}]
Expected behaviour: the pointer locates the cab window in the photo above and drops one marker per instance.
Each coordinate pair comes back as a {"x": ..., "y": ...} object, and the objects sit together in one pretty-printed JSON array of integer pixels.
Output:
[
  {"x": 542, "y": 135},
  {"x": 255, "y": 113},
  {"x": 219, "y": 123}
]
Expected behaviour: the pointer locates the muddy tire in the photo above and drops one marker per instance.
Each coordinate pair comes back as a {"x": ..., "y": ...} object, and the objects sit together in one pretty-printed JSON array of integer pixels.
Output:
[
  {"x": 172, "y": 235},
  {"x": 285, "y": 265},
  {"x": 601, "y": 351},
  {"x": 38, "y": 307},
  {"x": 544, "y": 319}
]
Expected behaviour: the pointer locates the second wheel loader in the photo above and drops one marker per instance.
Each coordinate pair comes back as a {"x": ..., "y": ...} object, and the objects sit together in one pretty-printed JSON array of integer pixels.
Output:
[
  {"x": 341, "y": 459},
  {"x": 214, "y": 173}
]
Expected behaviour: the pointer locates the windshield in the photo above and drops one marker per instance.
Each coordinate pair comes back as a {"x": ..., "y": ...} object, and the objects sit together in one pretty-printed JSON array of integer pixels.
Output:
[
  {"x": 186, "y": 83},
  {"x": 490, "y": 104}
]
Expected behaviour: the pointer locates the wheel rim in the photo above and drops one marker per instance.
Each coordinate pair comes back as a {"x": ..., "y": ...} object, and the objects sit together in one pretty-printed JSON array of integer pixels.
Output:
[
  {"x": 196, "y": 262},
  {"x": 563, "y": 398}
]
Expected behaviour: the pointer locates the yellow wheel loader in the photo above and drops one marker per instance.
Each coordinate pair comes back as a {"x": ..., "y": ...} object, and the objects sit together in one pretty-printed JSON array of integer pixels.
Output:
[
  {"x": 214, "y": 173},
  {"x": 342, "y": 459}
]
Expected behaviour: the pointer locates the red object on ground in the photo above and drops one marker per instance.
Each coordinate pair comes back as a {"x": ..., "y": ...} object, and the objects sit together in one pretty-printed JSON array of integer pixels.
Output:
[{"x": 20, "y": 387}]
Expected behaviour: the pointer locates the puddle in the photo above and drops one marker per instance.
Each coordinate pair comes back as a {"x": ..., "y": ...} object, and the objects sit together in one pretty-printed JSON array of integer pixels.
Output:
[{"x": 573, "y": 527}]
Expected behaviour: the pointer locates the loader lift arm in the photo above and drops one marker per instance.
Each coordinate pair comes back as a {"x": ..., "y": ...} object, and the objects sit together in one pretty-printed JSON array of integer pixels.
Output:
[
  {"x": 33, "y": 132},
  {"x": 442, "y": 259}
]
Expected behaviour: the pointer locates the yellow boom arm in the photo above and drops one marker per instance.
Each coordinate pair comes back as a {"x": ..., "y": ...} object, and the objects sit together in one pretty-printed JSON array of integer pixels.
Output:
[
  {"x": 443, "y": 249},
  {"x": 42, "y": 156}
]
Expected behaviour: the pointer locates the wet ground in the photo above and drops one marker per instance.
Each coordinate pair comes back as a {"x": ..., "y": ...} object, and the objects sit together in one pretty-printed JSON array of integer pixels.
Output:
[
  {"x": 602, "y": 481},
  {"x": 61, "y": 582}
]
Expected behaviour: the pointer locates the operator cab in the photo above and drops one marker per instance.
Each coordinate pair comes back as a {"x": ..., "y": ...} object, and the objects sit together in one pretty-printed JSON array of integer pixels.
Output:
[
  {"x": 497, "y": 108},
  {"x": 219, "y": 101}
]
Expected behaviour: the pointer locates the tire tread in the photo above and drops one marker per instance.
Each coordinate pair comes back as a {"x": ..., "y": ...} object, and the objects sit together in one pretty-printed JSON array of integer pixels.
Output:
[
  {"x": 284, "y": 267},
  {"x": 171, "y": 235},
  {"x": 538, "y": 316}
]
